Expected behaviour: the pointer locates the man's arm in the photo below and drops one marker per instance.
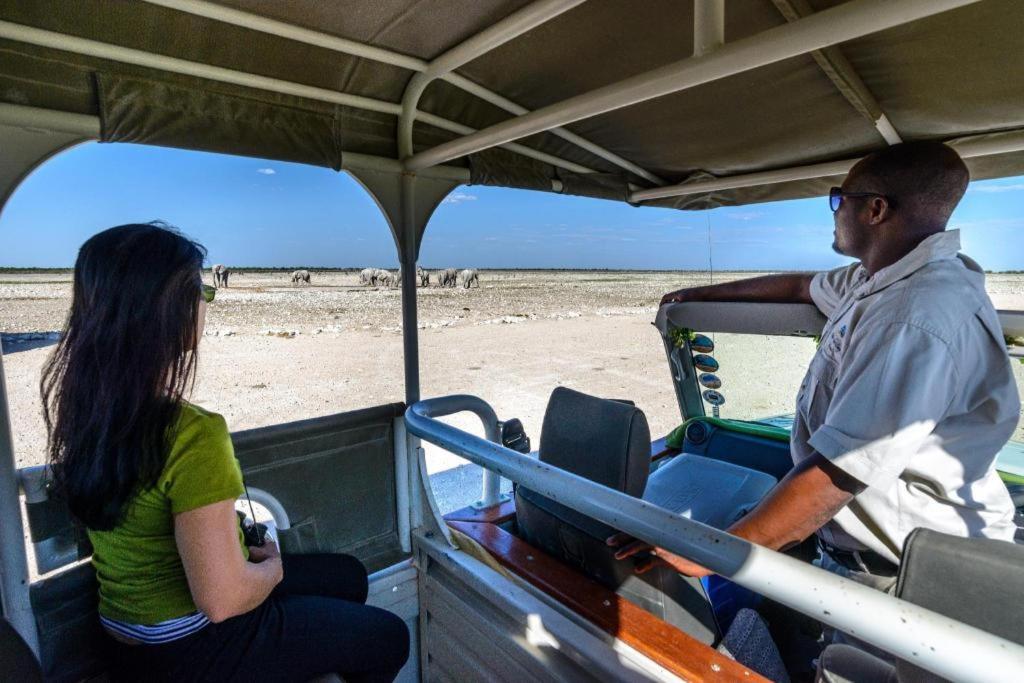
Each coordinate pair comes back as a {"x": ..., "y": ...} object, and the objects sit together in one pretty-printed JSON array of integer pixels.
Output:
[
  {"x": 794, "y": 288},
  {"x": 809, "y": 496}
]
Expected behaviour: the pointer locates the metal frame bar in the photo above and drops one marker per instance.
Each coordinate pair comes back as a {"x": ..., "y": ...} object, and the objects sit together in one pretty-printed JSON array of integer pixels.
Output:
[
  {"x": 708, "y": 26},
  {"x": 928, "y": 639},
  {"x": 401, "y": 447},
  {"x": 986, "y": 144},
  {"x": 351, "y": 47},
  {"x": 88, "y": 126},
  {"x": 14, "y": 581},
  {"x": 822, "y": 29},
  {"x": 92, "y": 48},
  {"x": 837, "y": 67},
  {"x": 449, "y": 405},
  {"x": 512, "y": 26}
]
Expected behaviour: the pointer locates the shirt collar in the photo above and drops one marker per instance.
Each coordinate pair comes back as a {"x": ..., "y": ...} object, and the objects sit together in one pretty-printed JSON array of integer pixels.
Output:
[{"x": 938, "y": 247}]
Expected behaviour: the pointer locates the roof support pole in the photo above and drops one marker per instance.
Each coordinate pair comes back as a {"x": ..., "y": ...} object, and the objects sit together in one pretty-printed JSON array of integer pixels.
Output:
[
  {"x": 14, "y": 583},
  {"x": 25, "y": 147},
  {"x": 407, "y": 260},
  {"x": 708, "y": 26},
  {"x": 256, "y": 22},
  {"x": 988, "y": 144},
  {"x": 822, "y": 29},
  {"x": 510, "y": 27},
  {"x": 407, "y": 202}
]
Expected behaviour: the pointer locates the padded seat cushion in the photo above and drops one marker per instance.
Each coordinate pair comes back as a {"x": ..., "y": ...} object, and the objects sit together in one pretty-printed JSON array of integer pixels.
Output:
[{"x": 710, "y": 491}]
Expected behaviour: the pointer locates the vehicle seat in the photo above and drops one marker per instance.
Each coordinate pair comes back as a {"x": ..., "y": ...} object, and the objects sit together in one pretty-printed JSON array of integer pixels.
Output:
[
  {"x": 607, "y": 442},
  {"x": 18, "y": 662},
  {"x": 976, "y": 581}
]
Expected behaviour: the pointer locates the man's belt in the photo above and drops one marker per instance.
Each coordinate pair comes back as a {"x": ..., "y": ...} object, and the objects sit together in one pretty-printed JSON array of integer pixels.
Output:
[{"x": 859, "y": 560}]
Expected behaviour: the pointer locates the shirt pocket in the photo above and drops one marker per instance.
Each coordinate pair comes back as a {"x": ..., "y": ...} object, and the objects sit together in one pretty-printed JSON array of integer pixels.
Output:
[{"x": 817, "y": 389}]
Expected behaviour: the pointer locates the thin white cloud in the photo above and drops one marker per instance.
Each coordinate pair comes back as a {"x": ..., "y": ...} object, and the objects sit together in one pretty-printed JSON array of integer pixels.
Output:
[
  {"x": 1016, "y": 187},
  {"x": 459, "y": 197},
  {"x": 745, "y": 215},
  {"x": 266, "y": 171}
]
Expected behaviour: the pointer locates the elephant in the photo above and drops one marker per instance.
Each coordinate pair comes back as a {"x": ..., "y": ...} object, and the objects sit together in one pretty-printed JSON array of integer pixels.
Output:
[
  {"x": 469, "y": 276},
  {"x": 220, "y": 275},
  {"x": 387, "y": 278},
  {"x": 423, "y": 276},
  {"x": 302, "y": 275},
  {"x": 365, "y": 276},
  {"x": 447, "y": 277}
]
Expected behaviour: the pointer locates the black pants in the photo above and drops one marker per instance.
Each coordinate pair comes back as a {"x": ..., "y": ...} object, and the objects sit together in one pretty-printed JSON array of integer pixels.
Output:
[{"x": 313, "y": 623}]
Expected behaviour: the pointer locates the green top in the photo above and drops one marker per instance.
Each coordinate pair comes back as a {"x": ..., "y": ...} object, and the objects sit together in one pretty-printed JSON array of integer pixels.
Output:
[{"x": 142, "y": 580}]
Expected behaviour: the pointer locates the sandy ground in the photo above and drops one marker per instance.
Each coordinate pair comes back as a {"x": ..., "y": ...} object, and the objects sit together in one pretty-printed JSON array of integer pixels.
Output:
[{"x": 511, "y": 342}]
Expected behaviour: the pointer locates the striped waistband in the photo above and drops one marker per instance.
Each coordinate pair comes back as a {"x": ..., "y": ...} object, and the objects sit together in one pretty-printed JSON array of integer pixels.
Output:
[{"x": 155, "y": 634}]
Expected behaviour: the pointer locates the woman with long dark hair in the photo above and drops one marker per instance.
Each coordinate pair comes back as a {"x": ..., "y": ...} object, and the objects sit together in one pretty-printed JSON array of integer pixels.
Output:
[{"x": 154, "y": 480}]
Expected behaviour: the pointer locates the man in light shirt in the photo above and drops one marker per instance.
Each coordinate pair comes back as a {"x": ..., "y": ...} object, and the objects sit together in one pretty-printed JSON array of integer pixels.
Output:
[{"x": 910, "y": 395}]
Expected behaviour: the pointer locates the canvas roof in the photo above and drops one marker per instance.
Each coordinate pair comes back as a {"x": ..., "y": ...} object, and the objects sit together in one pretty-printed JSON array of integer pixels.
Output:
[{"x": 956, "y": 74}]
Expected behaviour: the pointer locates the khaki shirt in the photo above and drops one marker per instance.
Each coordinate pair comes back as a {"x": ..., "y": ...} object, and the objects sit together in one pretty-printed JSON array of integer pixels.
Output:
[{"x": 910, "y": 392}]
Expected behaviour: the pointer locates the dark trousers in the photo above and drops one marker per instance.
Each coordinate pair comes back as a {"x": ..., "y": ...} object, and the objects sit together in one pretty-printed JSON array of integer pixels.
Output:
[{"x": 313, "y": 623}]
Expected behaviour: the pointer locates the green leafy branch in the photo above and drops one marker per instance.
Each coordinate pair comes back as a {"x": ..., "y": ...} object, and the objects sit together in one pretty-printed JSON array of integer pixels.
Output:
[{"x": 681, "y": 335}]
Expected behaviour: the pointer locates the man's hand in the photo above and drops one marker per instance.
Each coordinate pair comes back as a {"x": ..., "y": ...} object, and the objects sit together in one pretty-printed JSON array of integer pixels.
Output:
[
  {"x": 630, "y": 546},
  {"x": 675, "y": 297},
  {"x": 260, "y": 553}
]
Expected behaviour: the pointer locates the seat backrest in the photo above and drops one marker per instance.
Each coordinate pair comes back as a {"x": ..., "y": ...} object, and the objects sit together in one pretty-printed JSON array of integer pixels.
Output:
[
  {"x": 608, "y": 442},
  {"x": 977, "y": 581},
  {"x": 605, "y": 441}
]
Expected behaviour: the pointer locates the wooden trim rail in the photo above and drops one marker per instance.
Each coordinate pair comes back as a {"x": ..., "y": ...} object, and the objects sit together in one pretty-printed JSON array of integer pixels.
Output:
[{"x": 678, "y": 652}]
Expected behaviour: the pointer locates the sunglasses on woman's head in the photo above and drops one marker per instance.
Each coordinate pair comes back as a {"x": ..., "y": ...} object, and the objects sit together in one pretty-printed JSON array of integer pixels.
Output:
[
  {"x": 208, "y": 292},
  {"x": 836, "y": 196}
]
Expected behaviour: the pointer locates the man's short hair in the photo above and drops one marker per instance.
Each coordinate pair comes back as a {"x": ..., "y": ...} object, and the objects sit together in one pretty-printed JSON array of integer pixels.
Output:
[{"x": 926, "y": 180}]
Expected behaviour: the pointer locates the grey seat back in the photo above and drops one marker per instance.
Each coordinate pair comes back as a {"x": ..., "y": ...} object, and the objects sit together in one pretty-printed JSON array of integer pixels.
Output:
[
  {"x": 977, "y": 581},
  {"x": 608, "y": 442}
]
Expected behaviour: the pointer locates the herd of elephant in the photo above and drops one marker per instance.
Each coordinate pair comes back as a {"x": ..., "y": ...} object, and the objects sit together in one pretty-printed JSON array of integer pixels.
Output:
[
  {"x": 374, "y": 277},
  {"x": 448, "y": 277}
]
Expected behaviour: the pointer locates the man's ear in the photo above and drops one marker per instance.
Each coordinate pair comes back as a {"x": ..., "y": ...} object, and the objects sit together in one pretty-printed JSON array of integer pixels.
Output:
[{"x": 879, "y": 210}]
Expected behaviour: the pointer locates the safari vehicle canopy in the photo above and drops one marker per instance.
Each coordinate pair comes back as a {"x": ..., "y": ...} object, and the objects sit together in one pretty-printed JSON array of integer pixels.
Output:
[{"x": 661, "y": 103}]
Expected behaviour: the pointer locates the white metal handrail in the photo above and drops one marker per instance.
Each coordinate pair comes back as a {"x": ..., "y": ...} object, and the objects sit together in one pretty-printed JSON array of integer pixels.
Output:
[{"x": 928, "y": 639}]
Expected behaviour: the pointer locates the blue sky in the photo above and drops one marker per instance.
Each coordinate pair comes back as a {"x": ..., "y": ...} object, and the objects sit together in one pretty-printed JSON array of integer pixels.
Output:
[{"x": 250, "y": 212}]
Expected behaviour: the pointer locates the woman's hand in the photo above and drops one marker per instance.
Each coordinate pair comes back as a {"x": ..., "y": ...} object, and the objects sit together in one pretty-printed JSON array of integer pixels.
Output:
[
  {"x": 267, "y": 551},
  {"x": 222, "y": 583},
  {"x": 630, "y": 546}
]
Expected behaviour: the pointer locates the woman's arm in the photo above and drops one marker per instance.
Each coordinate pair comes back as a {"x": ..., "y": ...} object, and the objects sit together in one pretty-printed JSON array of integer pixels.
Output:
[
  {"x": 222, "y": 582},
  {"x": 785, "y": 288}
]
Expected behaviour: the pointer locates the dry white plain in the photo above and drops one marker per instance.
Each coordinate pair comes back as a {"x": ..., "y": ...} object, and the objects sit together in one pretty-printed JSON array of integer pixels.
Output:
[{"x": 274, "y": 352}]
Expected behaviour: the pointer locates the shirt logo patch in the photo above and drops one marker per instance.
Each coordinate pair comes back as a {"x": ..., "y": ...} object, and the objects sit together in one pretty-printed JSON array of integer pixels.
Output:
[{"x": 836, "y": 339}]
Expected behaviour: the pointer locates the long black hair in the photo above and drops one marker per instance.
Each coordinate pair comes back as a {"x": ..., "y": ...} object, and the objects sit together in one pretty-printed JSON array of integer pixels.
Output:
[{"x": 113, "y": 387}]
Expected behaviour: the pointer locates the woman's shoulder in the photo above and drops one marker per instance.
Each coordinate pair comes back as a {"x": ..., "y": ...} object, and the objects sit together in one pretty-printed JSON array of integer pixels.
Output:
[
  {"x": 193, "y": 418},
  {"x": 201, "y": 467},
  {"x": 198, "y": 432}
]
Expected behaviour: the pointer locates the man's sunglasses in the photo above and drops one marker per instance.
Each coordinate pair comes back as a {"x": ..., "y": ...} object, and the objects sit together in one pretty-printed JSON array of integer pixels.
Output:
[
  {"x": 208, "y": 292},
  {"x": 836, "y": 196}
]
